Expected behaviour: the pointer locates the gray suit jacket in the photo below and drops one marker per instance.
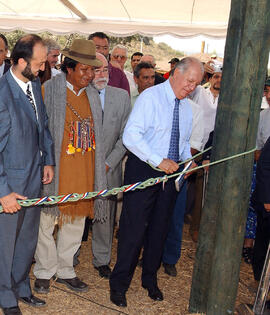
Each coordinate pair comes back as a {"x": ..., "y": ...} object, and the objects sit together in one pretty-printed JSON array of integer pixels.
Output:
[
  {"x": 116, "y": 111},
  {"x": 22, "y": 139}
]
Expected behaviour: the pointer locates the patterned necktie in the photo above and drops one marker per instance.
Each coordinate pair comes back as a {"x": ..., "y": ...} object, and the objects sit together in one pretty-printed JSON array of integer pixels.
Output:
[
  {"x": 174, "y": 142},
  {"x": 30, "y": 98}
]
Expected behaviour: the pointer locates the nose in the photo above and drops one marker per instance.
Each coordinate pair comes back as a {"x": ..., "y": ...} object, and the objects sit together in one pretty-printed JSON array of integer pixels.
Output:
[
  {"x": 90, "y": 73},
  {"x": 192, "y": 86},
  {"x": 42, "y": 67}
]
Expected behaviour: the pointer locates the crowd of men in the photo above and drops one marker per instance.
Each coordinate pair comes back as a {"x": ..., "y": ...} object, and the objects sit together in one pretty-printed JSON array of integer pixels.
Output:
[{"x": 71, "y": 135}]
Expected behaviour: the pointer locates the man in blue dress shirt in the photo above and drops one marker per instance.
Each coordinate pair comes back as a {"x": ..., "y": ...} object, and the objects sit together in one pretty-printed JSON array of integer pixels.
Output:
[{"x": 157, "y": 132}]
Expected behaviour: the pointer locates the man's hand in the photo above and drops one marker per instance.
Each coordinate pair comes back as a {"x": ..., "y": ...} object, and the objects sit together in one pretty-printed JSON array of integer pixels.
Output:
[
  {"x": 48, "y": 174},
  {"x": 193, "y": 165},
  {"x": 10, "y": 204},
  {"x": 208, "y": 67},
  {"x": 107, "y": 168},
  {"x": 267, "y": 207},
  {"x": 205, "y": 162},
  {"x": 168, "y": 166}
]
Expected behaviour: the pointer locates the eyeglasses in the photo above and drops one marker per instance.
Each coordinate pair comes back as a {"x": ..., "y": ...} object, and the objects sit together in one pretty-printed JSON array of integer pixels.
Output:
[
  {"x": 119, "y": 56},
  {"x": 99, "y": 71}
]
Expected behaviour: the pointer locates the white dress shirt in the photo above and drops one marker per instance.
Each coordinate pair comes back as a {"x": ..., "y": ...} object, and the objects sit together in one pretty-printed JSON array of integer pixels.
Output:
[
  {"x": 196, "y": 139},
  {"x": 208, "y": 104},
  {"x": 70, "y": 86},
  {"x": 2, "y": 67},
  {"x": 131, "y": 81},
  {"x": 148, "y": 130},
  {"x": 263, "y": 129},
  {"x": 24, "y": 87}
]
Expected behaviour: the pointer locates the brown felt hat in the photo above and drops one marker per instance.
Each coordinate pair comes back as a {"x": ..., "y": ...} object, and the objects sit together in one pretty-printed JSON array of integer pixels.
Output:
[{"x": 83, "y": 51}]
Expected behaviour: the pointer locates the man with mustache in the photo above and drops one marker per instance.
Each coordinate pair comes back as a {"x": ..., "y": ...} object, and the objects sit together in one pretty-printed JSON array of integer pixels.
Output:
[
  {"x": 75, "y": 120},
  {"x": 26, "y": 161},
  {"x": 117, "y": 78},
  {"x": 115, "y": 104},
  {"x": 144, "y": 76}
]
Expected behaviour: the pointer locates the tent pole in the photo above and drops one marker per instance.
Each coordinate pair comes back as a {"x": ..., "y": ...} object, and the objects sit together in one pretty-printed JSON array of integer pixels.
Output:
[{"x": 218, "y": 256}]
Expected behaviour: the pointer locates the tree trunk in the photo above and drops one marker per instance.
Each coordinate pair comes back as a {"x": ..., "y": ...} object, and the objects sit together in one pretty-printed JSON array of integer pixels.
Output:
[{"x": 218, "y": 257}]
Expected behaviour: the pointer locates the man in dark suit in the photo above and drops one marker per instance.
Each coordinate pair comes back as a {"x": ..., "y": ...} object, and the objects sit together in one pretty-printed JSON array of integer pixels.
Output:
[
  {"x": 261, "y": 198},
  {"x": 4, "y": 66},
  {"x": 26, "y": 159}
]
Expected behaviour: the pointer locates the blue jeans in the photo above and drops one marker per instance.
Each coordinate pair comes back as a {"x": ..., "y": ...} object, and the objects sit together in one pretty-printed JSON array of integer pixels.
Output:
[{"x": 172, "y": 248}]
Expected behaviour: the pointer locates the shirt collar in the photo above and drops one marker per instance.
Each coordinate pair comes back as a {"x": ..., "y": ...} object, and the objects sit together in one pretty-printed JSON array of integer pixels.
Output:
[
  {"x": 70, "y": 87},
  {"x": 135, "y": 93},
  {"x": 2, "y": 67},
  {"x": 169, "y": 91},
  {"x": 22, "y": 84},
  {"x": 102, "y": 92}
]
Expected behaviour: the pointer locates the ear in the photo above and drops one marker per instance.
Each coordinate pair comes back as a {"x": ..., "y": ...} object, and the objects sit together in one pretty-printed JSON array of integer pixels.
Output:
[
  {"x": 135, "y": 79},
  {"x": 176, "y": 72},
  {"x": 22, "y": 63},
  {"x": 70, "y": 70}
]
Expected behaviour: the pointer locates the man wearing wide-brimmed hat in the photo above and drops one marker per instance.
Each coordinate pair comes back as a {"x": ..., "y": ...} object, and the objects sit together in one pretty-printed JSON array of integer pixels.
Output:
[{"x": 75, "y": 121}]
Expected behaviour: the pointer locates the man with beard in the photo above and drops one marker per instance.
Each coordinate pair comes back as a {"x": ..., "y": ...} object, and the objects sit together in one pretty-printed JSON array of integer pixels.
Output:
[
  {"x": 115, "y": 110},
  {"x": 26, "y": 151},
  {"x": 117, "y": 77},
  {"x": 75, "y": 120}
]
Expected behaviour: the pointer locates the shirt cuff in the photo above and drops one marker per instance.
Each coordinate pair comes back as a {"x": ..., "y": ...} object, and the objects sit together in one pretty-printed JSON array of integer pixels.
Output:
[
  {"x": 155, "y": 160},
  {"x": 196, "y": 145}
]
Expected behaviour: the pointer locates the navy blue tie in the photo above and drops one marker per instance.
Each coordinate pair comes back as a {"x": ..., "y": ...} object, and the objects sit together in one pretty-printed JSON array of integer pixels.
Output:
[
  {"x": 174, "y": 142},
  {"x": 30, "y": 98}
]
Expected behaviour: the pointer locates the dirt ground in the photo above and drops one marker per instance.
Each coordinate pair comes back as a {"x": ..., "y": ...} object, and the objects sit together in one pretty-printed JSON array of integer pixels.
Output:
[{"x": 176, "y": 291}]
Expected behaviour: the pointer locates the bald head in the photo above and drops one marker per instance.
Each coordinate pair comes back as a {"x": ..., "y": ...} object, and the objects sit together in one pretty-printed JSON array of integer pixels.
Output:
[
  {"x": 102, "y": 59},
  {"x": 149, "y": 59},
  {"x": 101, "y": 74}
]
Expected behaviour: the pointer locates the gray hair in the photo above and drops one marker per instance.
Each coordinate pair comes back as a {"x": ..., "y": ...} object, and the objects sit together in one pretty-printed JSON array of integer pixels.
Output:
[
  {"x": 119, "y": 46},
  {"x": 51, "y": 44},
  {"x": 148, "y": 55},
  {"x": 184, "y": 64}
]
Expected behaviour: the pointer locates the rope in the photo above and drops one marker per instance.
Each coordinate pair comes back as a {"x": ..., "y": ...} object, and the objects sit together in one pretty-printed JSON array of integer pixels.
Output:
[{"x": 52, "y": 200}]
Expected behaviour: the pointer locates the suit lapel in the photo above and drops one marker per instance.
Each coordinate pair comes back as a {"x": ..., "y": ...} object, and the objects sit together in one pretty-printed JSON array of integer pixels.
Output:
[
  {"x": 20, "y": 98},
  {"x": 37, "y": 96},
  {"x": 7, "y": 66},
  {"x": 107, "y": 107}
]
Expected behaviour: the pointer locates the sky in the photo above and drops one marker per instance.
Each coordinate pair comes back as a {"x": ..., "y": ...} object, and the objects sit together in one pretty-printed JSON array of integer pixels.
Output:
[{"x": 193, "y": 45}]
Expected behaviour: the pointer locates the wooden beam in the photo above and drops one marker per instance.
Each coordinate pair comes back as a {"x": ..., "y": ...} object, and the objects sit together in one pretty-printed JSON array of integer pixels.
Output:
[
  {"x": 218, "y": 257},
  {"x": 71, "y": 6}
]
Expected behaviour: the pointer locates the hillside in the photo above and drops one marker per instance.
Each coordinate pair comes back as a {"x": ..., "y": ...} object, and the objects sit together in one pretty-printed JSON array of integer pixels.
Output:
[{"x": 162, "y": 52}]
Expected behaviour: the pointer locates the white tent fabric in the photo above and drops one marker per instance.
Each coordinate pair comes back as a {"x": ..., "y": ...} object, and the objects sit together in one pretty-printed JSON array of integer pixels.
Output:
[{"x": 183, "y": 18}]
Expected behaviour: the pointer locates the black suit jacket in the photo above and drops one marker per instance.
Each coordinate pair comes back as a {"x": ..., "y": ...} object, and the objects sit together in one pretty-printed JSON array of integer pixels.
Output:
[
  {"x": 6, "y": 68},
  {"x": 262, "y": 191}
]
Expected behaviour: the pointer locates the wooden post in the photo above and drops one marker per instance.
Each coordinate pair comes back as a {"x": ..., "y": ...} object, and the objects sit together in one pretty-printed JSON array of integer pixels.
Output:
[
  {"x": 203, "y": 46},
  {"x": 218, "y": 257}
]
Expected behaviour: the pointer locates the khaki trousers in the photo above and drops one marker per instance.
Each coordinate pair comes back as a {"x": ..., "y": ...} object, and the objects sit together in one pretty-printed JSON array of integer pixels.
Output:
[{"x": 56, "y": 258}]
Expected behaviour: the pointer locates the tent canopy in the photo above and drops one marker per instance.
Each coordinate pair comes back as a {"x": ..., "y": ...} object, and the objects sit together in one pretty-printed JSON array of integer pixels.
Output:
[{"x": 183, "y": 18}]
